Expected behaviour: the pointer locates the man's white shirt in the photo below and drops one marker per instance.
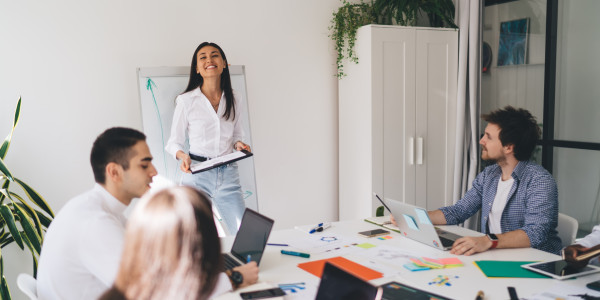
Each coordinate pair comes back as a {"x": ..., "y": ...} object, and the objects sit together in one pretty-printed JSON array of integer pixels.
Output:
[{"x": 82, "y": 248}]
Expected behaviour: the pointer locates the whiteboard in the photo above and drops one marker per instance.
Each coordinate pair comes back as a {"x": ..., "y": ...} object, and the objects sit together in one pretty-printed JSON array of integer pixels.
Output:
[{"x": 158, "y": 87}]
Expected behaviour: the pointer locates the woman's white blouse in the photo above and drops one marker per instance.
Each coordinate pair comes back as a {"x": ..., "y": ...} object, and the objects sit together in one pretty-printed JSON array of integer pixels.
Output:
[{"x": 209, "y": 134}]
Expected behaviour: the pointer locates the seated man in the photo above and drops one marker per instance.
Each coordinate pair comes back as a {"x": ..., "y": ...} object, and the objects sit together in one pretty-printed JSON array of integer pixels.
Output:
[
  {"x": 518, "y": 198},
  {"x": 82, "y": 248}
]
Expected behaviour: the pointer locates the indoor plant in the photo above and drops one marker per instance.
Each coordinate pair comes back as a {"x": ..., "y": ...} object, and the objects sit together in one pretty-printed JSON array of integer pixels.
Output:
[
  {"x": 20, "y": 220},
  {"x": 350, "y": 16}
]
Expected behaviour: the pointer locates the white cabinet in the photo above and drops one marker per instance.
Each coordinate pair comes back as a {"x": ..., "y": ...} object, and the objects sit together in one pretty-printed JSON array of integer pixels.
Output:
[{"x": 397, "y": 119}]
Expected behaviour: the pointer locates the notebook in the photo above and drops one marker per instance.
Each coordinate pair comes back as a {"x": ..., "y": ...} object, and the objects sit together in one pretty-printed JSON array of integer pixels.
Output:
[
  {"x": 250, "y": 241},
  {"x": 339, "y": 284},
  {"x": 414, "y": 223}
]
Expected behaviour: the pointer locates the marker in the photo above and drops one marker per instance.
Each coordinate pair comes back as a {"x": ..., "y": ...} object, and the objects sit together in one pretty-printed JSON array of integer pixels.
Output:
[
  {"x": 280, "y": 245},
  {"x": 294, "y": 253},
  {"x": 320, "y": 227},
  {"x": 248, "y": 259}
]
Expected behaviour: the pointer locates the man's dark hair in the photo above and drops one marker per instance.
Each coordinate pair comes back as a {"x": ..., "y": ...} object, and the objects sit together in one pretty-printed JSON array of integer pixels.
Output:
[
  {"x": 113, "y": 145},
  {"x": 518, "y": 128}
]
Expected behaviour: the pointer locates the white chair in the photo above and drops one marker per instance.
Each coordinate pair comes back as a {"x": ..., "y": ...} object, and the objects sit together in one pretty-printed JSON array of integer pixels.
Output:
[
  {"x": 567, "y": 229},
  {"x": 28, "y": 285}
]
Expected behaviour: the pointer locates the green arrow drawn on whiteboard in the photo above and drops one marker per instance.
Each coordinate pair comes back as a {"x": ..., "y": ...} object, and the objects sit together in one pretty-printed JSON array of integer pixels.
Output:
[{"x": 149, "y": 85}]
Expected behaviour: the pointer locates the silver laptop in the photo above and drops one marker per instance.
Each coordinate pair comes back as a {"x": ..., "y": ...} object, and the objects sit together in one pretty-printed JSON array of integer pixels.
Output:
[{"x": 415, "y": 224}]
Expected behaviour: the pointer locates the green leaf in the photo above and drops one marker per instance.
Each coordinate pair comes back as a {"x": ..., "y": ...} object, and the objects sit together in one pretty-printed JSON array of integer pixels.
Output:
[
  {"x": 33, "y": 256},
  {"x": 4, "y": 291},
  {"x": 5, "y": 170},
  {"x": 28, "y": 227},
  {"x": 30, "y": 212},
  {"x": 7, "y": 242},
  {"x": 35, "y": 197},
  {"x": 10, "y": 222},
  {"x": 6, "y": 143}
]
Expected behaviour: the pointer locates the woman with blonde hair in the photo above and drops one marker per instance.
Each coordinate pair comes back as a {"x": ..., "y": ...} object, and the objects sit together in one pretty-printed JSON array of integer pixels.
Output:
[{"x": 172, "y": 250}]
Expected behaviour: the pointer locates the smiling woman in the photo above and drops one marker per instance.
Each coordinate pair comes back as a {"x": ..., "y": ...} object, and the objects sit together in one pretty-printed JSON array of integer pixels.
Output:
[{"x": 207, "y": 114}]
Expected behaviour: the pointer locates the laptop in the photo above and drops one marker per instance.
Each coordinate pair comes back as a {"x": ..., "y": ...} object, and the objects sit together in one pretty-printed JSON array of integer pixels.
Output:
[
  {"x": 250, "y": 241},
  {"x": 339, "y": 284},
  {"x": 415, "y": 224}
]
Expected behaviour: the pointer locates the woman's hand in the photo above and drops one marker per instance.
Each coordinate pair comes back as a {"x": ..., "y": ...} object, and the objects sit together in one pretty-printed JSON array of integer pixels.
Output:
[
  {"x": 186, "y": 161},
  {"x": 241, "y": 146}
]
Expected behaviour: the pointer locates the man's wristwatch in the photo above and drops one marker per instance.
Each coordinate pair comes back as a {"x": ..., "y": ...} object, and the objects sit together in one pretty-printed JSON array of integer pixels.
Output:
[
  {"x": 236, "y": 278},
  {"x": 494, "y": 240}
]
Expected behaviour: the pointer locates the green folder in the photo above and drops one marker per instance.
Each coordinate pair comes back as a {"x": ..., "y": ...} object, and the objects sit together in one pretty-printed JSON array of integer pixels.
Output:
[{"x": 512, "y": 269}]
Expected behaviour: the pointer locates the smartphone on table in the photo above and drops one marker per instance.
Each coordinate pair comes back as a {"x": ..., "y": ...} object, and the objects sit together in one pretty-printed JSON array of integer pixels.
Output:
[
  {"x": 374, "y": 232},
  {"x": 262, "y": 294}
]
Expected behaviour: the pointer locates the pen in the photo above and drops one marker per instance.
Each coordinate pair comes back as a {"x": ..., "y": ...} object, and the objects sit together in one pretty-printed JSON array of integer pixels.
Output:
[
  {"x": 248, "y": 259},
  {"x": 294, "y": 253},
  {"x": 479, "y": 296},
  {"x": 320, "y": 227},
  {"x": 281, "y": 245}
]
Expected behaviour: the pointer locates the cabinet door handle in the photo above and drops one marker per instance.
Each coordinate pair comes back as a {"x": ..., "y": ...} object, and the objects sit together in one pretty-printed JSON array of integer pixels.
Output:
[
  {"x": 411, "y": 151},
  {"x": 419, "y": 151}
]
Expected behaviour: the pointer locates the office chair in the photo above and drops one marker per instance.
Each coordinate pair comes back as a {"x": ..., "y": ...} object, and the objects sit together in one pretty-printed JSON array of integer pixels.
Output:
[
  {"x": 28, "y": 285},
  {"x": 567, "y": 229}
]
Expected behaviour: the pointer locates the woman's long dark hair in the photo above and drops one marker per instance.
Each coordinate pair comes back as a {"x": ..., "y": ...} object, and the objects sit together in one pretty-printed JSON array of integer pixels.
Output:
[{"x": 196, "y": 80}]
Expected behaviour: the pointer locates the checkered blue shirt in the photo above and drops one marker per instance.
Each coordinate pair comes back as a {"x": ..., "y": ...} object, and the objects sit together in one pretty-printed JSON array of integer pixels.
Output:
[{"x": 532, "y": 204}]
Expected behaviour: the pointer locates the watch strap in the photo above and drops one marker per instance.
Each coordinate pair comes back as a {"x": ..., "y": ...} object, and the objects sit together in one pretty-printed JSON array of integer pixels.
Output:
[{"x": 494, "y": 240}]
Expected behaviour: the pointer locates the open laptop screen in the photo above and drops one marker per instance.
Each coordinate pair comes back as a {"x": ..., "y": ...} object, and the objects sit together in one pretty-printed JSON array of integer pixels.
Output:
[
  {"x": 339, "y": 284},
  {"x": 252, "y": 236}
]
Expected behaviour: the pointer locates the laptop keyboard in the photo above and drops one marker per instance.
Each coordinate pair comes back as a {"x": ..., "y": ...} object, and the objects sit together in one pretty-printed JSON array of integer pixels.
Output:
[
  {"x": 230, "y": 263},
  {"x": 446, "y": 242}
]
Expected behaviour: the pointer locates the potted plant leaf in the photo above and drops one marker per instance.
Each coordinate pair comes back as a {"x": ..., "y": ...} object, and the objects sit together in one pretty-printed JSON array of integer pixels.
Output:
[
  {"x": 350, "y": 16},
  {"x": 24, "y": 215}
]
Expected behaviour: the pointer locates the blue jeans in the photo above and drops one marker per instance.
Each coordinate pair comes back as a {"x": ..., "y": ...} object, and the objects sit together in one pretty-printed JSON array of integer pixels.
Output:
[{"x": 222, "y": 186}]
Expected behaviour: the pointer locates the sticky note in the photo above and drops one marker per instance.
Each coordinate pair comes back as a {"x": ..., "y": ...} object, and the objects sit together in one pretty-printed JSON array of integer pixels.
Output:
[
  {"x": 423, "y": 216},
  {"x": 410, "y": 221},
  {"x": 413, "y": 267},
  {"x": 418, "y": 262},
  {"x": 365, "y": 245}
]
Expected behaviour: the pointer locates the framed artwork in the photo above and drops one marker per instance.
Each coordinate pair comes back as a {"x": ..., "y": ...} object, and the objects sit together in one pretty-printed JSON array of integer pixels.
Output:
[{"x": 512, "y": 48}]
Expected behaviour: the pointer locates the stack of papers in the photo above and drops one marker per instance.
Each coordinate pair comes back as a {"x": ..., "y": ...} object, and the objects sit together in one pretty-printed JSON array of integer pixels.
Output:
[{"x": 426, "y": 263}]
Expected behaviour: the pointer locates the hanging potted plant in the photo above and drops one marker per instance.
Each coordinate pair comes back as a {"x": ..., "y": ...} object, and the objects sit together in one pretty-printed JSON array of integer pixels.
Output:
[
  {"x": 23, "y": 219},
  {"x": 350, "y": 16}
]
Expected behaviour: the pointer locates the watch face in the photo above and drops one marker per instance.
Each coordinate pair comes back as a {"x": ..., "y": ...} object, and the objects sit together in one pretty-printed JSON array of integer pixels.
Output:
[
  {"x": 237, "y": 277},
  {"x": 493, "y": 237}
]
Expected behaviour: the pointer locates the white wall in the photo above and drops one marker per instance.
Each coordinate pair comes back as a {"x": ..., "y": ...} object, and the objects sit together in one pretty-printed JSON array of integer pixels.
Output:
[{"x": 74, "y": 62}]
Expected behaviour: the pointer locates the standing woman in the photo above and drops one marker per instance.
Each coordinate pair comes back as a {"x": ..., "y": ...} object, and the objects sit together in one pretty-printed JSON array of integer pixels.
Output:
[{"x": 208, "y": 115}]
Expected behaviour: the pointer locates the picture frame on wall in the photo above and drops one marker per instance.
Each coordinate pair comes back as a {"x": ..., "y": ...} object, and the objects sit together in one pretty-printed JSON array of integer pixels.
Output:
[{"x": 512, "y": 44}]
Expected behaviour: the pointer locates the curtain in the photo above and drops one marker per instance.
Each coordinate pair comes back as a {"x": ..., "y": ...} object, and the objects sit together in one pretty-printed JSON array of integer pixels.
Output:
[{"x": 469, "y": 20}]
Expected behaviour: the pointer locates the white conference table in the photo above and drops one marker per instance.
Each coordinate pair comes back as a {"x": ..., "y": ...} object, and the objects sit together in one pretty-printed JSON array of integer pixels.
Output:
[{"x": 466, "y": 281}]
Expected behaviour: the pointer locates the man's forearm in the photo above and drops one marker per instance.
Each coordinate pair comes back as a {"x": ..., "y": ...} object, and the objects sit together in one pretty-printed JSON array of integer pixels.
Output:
[
  {"x": 513, "y": 239},
  {"x": 437, "y": 217}
]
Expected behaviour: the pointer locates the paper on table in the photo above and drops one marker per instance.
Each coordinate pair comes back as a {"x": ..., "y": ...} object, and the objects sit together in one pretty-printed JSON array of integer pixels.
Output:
[
  {"x": 323, "y": 242},
  {"x": 385, "y": 220},
  {"x": 561, "y": 290},
  {"x": 507, "y": 269},
  {"x": 358, "y": 270}
]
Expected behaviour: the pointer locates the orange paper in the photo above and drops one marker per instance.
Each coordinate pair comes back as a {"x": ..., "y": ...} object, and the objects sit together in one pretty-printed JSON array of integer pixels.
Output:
[{"x": 316, "y": 268}]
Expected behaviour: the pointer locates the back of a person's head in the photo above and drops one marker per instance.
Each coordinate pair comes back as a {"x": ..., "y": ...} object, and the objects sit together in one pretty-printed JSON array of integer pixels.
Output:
[
  {"x": 518, "y": 127},
  {"x": 113, "y": 145},
  {"x": 172, "y": 248}
]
